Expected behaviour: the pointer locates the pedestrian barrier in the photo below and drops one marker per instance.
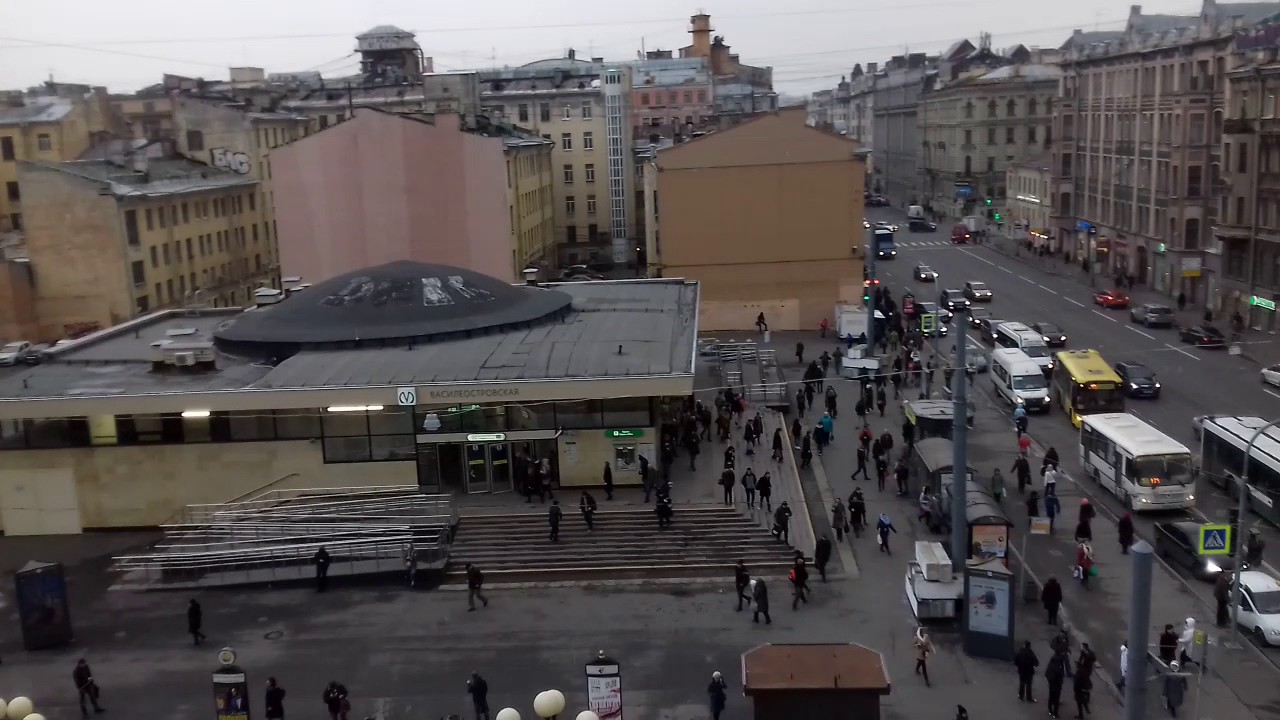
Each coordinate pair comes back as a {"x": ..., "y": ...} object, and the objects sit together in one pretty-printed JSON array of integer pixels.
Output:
[{"x": 753, "y": 372}]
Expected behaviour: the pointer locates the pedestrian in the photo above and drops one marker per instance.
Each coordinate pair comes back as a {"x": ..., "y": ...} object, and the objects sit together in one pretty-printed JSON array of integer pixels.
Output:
[
  {"x": 857, "y": 511},
  {"x": 1175, "y": 689},
  {"x": 553, "y": 519},
  {"x": 800, "y": 353},
  {"x": 839, "y": 519},
  {"x": 718, "y": 691},
  {"x": 726, "y": 482},
  {"x": 997, "y": 486},
  {"x": 923, "y": 647},
  {"x": 1168, "y": 645},
  {"x": 1084, "y": 531},
  {"x": 828, "y": 424},
  {"x": 799, "y": 578},
  {"x": 925, "y": 504},
  {"x": 1087, "y": 512},
  {"x": 663, "y": 509},
  {"x": 782, "y": 522},
  {"x": 646, "y": 478},
  {"x": 862, "y": 465},
  {"x": 1026, "y": 662},
  {"x": 1052, "y": 507},
  {"x": 822, "y": 328},
  {"x": 806, "y": 451},
  {"x": 1253, "y": 548},
  {"x": 1022, "y": 470},
  {"x": 1124, "y": 530},
  {"x": 884, "y": 526},
  {"x": 1024, "y": 444},
  {"x": 882, "y": 472},
  {"x": 749, "y": 487},
  {"x": 800, "y": 398},
  {"x": 1222, "y": 595},
  {"x": 761, "y": 325},
  {"x": 336, "y": 700},
  {"x": 1084, "y": 563},
  {"x": 881, "y": 400},
  {"x": 760, "y": 594},
  {"x": 1051, "y": 599},
  {"x": 86, "y": 687},
  {"x": 860, "y": 408},
  {"x": 1182, "y": 301},
  {"x": 764, "y": 486},
  {"x": 1050, "y": 475},
  {"x": 831, "y": 398},
  {"x": 822, "y": 556},
  {"x": 741, "y": 581},
  {"x": 1050, "y": 460},
  {"x": 1124, "y": 666},
  {"x": 195, "y": 619},
  {"x": 475, "y": 585},
  {"x": 478, "y": 689},
  {"x": 902, "y": 475},
  {"x": 1082, "y": 688},
  {"x": 908, "y": 434},
  {"x": 1033, "y": 506},
  {"x": 777, "y": 445},
  {"x": 1020, "y": 420},
  {"x": 608, "y": 481},
  {"x": 961, "y": 713},
  {"x": 410, "y": 558},
  {"x": 273, "y": 701},
  {"x": 321, "y": 560},
  {"x": 1055, "y": 673}
]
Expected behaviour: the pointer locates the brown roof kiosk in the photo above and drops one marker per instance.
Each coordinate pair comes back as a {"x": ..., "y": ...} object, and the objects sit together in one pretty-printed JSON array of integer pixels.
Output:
[{"x": 837, "y": 681}]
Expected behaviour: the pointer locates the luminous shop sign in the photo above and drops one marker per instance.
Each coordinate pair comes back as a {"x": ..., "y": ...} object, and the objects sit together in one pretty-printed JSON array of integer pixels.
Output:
[
  {"x": 1262, "y": 302},
  {"x": 623, "y": 433},
  {"x": 487, "y": 437}
]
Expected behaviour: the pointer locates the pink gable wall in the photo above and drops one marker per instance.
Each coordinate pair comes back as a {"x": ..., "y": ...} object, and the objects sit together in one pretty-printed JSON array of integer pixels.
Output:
[{"x": 379, "y": 188}]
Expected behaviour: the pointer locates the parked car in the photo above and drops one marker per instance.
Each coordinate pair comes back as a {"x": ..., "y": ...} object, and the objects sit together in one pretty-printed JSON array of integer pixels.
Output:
[
  {"x": 1271, "y": 375},
  {"x": 1152, "y": 315},
  {"x": 35, "y": 354},
  {"x": 960, "y": 234},
  {"x": 1111, "y": 299},
  {"x": 977, "y": 315},
  {"x": 1178, "y": 542},
  {"x": 924, "y": 273},
  {"x": 1260, "y": 606},
  {"x": 1205, "y": 336},
  {"x": 877, "y": 201},
  {"x": 978, "y": 291},
  {"x": 918, "y": 225},
  {"x": 1140, "y": 381},
  {"x": 1053, "y": 335},
  {"x": 12, "y": 353}
]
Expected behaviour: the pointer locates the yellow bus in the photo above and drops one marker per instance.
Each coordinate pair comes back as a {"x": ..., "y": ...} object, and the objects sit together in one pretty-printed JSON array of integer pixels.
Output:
[{"x": 1083, "y": 384}]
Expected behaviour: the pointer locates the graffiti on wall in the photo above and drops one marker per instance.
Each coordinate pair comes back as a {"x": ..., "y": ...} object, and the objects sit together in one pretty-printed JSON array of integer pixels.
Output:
[{"x": 236, "y": 162}]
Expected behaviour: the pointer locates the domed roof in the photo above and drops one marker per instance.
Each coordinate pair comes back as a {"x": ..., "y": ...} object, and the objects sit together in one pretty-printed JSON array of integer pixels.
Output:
[{"x": 399, "y": 301}]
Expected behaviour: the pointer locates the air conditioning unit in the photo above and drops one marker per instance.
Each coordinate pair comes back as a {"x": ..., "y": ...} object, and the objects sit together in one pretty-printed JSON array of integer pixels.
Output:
[{"x": 184, "y": 359}]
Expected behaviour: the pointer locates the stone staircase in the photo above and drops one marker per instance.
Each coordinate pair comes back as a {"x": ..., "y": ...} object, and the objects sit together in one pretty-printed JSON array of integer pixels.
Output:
[{"x": 704, "y": 541}]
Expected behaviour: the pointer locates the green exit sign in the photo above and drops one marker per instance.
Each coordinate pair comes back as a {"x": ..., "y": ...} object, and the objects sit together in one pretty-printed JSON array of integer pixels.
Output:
[
  {"x": 623, "y": 433},
  {"x": 1262, "y": 302}
]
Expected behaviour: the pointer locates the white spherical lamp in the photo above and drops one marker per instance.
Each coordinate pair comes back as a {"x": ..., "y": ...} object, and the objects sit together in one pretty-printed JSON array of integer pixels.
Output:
[
  {"x": 507, "y": 714},
  {"x": 587, "y": 715},
  {"x": 34, "y": 716},
  {"x": 19, "y": 708},
  {"x": 4, "y": 708},
  {"x": 549, "y": 703}
]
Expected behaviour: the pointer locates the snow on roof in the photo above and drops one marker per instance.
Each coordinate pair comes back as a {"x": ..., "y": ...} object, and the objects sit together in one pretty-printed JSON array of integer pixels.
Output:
[{"x": 40, "y": 110}]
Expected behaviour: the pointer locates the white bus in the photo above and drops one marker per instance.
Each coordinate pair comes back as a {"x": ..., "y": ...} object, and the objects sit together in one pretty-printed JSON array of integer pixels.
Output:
[
  {"x": 1137, "y": 463},
  {"x": 1222, "y": 444}
]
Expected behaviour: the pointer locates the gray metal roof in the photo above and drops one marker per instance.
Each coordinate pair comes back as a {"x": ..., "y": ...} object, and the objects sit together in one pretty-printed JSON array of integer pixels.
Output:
[
  {"x": 163, "y": 177},
  {"x": 41, "y": 110}
]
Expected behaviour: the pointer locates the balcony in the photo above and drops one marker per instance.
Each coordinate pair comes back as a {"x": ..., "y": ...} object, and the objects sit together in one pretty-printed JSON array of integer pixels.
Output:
[
  {"x": 1237, "y": 126},
  {"x": 1228, "y": 231}
]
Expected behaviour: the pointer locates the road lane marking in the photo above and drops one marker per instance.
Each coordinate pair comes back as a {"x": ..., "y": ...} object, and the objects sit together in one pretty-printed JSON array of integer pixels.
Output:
[
  {"x": 1075, "y": 302},
  {"x": 1145, "y": 335},
  {"x": 1033, "y": 282},
  {"x": 979, "y": 257},
  {"x": 1184, "y": 352},
  {"x": 1009, "y": 271},
  {"x": 1095, "y": 312},
  {"x": 1042, "y": 287},
  {"x": 1272, "y": 393}
]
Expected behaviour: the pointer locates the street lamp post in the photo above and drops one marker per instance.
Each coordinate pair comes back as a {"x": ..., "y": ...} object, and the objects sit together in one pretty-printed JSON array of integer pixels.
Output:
[{"x": 1241, "y": 506}]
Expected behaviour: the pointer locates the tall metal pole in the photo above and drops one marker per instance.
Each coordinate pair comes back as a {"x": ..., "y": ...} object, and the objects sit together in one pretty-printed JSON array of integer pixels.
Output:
[
  {"x": 871, "y": 276},
  {"x": 1242, "y": 504},
  {"x": 960, "y": 453},
  {"x": 1135, "y": 674}
]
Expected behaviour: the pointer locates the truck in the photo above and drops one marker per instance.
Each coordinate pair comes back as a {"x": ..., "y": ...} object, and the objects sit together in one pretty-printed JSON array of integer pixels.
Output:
[
  {"x": 885, "y": 249},
  {"x": 974, "y": 223},
  {"x": 915, "y": 212}
]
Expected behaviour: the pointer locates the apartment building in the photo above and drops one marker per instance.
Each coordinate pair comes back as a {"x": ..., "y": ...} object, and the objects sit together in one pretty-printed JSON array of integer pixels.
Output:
[
  {"x": 37, "y": 128},
  {"x": 741, "y": 90},
  {"x": 1139, "y": 148},
  {"x": 670, "y": 97},
  {"x": 820, "y": 108},
  {"x": 895, "y": 100},
  {"x": 111, "y": 239},
  {"x": 581, "y": 107},
  {"x": 1028, "y": 202},
  {"x": 148, "y": 114}
]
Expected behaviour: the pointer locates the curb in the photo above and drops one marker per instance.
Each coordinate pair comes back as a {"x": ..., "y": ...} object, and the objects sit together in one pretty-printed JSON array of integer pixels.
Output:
[
  {"x": 796, "y": 489},
  {"x": 847, "y": 559}
]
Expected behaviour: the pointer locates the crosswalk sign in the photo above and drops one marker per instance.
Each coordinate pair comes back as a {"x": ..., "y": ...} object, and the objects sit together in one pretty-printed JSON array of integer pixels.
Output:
[{"x": 1215, "y": 539}]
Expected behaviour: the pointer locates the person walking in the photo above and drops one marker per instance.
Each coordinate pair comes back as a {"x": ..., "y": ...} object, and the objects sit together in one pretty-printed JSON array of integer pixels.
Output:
[
  {"x": 1124, "y": 531},
  {"x": 1082, "y": 689},
  {"x": 761, "y": 325},
  {"x": 749, "y": 487},
  {"x": 646, "y": 477},
  {"x": 1084, "y": 562},
  {"x": 718, "y": 691},
  {"x": 800, "y": 353},
  {"x": 608, "y": 481},
  {"x": 273, "y": 700},
  {"x": 1253, "y": 548},
  {"x": 727, "y": 481},
  {"x": 195, "y": 619},
  {"x": 857, "y": 511},
  {"x": 800, "y": 398},
  {"x": 1033, "y": 506},
  {"x": 475, "y": 584},
  {"x": 760, "y": 595},
  {"x": 799, "y": 578},
  {"x": 741, "y": 583},
  {"x": 1051, "y": 599},
  {"x": 478, "y": 689},
  {"x": 1026, "y": 662},
  {"x": 997, "y": 486},
  {"x": 806, "y": 451},
  {"x": 782, "y": 522},
  {"x": 1124, "y": 666},
  {"x": 862, "y": 465},
  {"x": 1022, "y": 470},
  {"x": 923, "y": 647},
  {"x": 321, "y": 561},
  {"x": 1175, "y": 689},
  {"x": 908, "y": 434},
  {"x": 554, "y": 514},
  {"x": 839, "y": 519},
  {"x": 664, "y": 510},
  {"x": 884, "y": 526},
  {"x": 587, "y": 506},
  {"x": 1052, "y": 508},
  {"x": 822, "y": 556},
  {"x": 1168, "y": 645},
  {"x": 1222, "y": 596},
  {"x": 336, "y": 700},
  {"x": 1182, "y": 301},
  {"x": 831, "y": 397},
  {"x": 777, "y": 445},
  {"x": 410, "y": 559},
  {"x": 881, "y": 400},
  {"x": 1055, "y": 674},
  {"x": 86, "y": 687},
  {"x": 764, "y": 486}
]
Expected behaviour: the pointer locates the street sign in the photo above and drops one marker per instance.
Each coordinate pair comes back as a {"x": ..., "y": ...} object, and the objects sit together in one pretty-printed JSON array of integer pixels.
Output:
[
  {"x": 623, "y": 433},
  {"x": 1040, "y": 526},
  {"x": 486, "y": 437},
  {"x": 928, "y": 323},
  {"x": 1215, "y": 539},
  {"x": 407, "y": 396},
  {"x": 1262, "y": 302}
]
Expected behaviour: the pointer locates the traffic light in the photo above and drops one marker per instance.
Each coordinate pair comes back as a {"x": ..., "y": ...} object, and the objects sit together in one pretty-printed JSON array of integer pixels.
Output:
[
  {"x": 988, "y": 201},
  {"x": 867, "y": 285},
  {"x": 997, "y": 217}
]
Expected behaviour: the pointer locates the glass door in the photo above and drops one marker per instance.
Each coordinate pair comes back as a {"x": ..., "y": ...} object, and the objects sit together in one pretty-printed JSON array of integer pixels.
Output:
[
  {"x": 477, "y": 468},
  {"x": 500, "y": 467}
]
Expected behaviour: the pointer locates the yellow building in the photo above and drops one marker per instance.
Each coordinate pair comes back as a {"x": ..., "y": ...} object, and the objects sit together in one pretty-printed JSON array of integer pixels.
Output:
[
  {"x": 530, "y": 201},
  {"x": 148, "y": 115},
  {"x": 40, "y": 129},
  {"x": 109, "y": 240}
]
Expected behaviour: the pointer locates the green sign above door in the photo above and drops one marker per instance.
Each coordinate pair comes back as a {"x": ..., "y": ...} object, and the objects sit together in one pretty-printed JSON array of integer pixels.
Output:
[
  {"x": 1262, "y": 302},
  {"x": 623, "y": 433}
]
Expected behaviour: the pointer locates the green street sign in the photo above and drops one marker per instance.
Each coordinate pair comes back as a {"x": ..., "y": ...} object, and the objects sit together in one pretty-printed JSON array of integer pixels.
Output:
[
  {"x": 1215, "y": 539},
  {"x": 928, "y": 323},
  {"x": 623, "y": 433},
  {"x": 1262, "y": 302}
]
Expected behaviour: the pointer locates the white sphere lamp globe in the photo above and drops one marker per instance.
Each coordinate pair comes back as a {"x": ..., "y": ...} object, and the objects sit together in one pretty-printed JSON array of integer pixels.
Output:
[
  {"x": 549, "y": 703},
  {"x": 34, "y": 716},
  {"x": 19, "y": 708},
  {"x": 587, "y": 715},
  {"x": 507, "y": 714}
]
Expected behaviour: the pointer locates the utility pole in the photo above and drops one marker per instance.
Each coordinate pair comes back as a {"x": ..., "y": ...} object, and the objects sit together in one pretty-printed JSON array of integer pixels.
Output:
[
  {"x": 871, "y": 277},
  {"x": 1135, "y": 686},
  {"x": 960, "y": 453}
]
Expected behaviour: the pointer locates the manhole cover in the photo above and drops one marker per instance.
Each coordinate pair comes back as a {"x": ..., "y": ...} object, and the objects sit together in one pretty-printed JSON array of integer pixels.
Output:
[{"x": 274, "y": 635}]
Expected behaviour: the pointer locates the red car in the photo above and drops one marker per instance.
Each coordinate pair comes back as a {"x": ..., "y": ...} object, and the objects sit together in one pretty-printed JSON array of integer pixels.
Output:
[
  {"x": 1112, "y": 299},
  {"x": 959, "y": 234}
]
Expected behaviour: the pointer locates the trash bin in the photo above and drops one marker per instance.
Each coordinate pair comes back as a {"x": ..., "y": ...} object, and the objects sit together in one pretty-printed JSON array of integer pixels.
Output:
[{"x": 1030, "y": 591}]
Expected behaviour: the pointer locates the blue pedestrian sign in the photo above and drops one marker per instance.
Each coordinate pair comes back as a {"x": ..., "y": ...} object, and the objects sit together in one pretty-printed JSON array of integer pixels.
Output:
[{"x": 1215, "y": 539}]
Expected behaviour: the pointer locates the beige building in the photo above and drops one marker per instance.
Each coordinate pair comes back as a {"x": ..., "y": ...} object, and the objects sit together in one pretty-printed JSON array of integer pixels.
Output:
[
  {"x": 39, "y": 129},
  {"x": 109, "y": 240},
  {"x": 147, "y": 114},
  {"x": 1028, "y": 203},
  {"x": 766, "y": 216}
]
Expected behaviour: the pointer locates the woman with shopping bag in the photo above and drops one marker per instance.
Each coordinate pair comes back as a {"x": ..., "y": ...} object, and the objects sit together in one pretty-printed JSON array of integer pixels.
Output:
[{"x": 1084, "y": 568}]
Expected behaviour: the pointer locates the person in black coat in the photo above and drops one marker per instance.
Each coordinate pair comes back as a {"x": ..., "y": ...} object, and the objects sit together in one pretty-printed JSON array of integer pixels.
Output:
[
  {"x": 1125, "y": 531},
  {"x": 1051, "y": 598},
  {"x": 554, "y": 514},
  {"x": 86, "y": 687},
  {"x": 1056, "y": 674},
  {"x": 1082, "y": 688},
  {"x": 195, "y": 620},
  {"x": 321, "y": 561},
  {"x": 274, "y": 700},
  {"x": 608, "y": 482},
  {"x": 1026, "y": 662},
  {"x": 717, "y": 692},
  {"x": 760, "y": 594},
  {"x": 741, "y": 582},
  {"x": 822, "y": 556},
  {"x": 777, "y": 445},
  {"x": 764, "y": 486},
  {"x": 478, "y": 689}
]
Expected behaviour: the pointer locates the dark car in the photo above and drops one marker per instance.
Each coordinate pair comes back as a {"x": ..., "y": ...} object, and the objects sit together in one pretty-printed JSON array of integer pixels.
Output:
[
  {"x": 960, "y": 234},
  {"x": 987, "y": 326},
  {"x": 1178, "y": 542},
  {"x": 977, "y": 315},
  {"x": 943, "y": 317},
  {"x": 877, "y": 201},
  {"x": 924, "y": 273},
  {"x": 1152, "y": 315},
  {"x": 1052, "y": 335},
  {"x": 1205, "y": 336},
  {"x": 953, "y": 299},
  {"x": 978, "y": 291},
  {"x": 1140, "y": 381},
  {"x": 1111, "y": 299},
  {"x": 918, "y": 225},
  {"x": 36, "y": 354}
]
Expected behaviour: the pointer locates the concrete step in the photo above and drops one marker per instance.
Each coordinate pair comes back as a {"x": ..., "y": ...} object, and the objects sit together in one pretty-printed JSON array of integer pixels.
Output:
[
  {"x": 593, "y": 556},
  {"x": 645, "y": 514},
  {"x": 618, "y": 572},
  {"x": 601, "y": 533}
]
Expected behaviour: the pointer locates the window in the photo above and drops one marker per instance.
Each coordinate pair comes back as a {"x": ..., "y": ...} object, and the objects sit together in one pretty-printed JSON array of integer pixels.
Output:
[
  {"x": 159, "y": 295},
  {"x": 168, "y": 287},
  {"x": 702, "y": 96},
  {"x": 155, "y": 258},
  {"x": 139, "y": 272},
  {"x": 544, "y": 112},
  {"x": 591, "y": 204},
  {"x": 173, "y": 214},
  {"x": 151, "y": 220},
  {"x": 968, "y": 110},
  {"x": 195, "y": 139},
  {"x": 566, "y": 113},
  {"x": 44, "y": 143},
  {"x": 589, "y": 173},
  {"x": 1011, "y": 108},
  {"x": 144, "y": 304},
  {"x": 6, "y": 148},
  {"x": 11, "y": 189},
  {"x": 991, "y": 136},
  {"x": 568, "y": 174},
  {"x": 672, "y": 98},
  {"x": 968, "y": 137},
  {"x": 166, "y": 253},
  {"x": 15, "y": 221},
  {"x": 1031, "y": 106},
  {"x": 523, "y": 112},
  {"x": 131, "y": 226},
  {"x": 991, "y": 109},
  {"x": 593, "y": 232},
  {"x": 586, "y": 110},
  {"x": 566, "y": 141},
  {"x": 251, "y": 425},
  {"x": 588, "y": 141},
  {"x": 644, "y": 98},
  {"x": 579, "y": 414},
  {"x": 570, "y": 205},
  {"x": 571, "y": 233},
  {"x": 1008, "y": 136},
  {"x": 626, "y": 413},
  {"x": 324, "y": 121},
  {"x": 991, "y": 164}
]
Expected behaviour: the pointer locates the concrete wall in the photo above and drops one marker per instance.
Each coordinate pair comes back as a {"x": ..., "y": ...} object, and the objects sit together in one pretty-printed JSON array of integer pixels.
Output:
[
  {"x": 144, "y": 486},
  {"x": 17, "y": 302},
  {"x": 767, "y": 217},
  {"x": 381, "y": 187}
]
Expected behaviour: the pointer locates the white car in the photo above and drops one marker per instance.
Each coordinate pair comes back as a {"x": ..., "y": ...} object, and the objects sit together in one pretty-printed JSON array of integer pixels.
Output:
[
  {"x": 12, "y": 353},
  {"x": 1260, "y": 605},
  {"x": 1271, "y": 375}
]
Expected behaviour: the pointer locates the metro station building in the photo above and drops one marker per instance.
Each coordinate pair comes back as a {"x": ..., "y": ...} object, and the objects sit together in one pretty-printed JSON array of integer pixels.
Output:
[{"x": 406, "y": 373}]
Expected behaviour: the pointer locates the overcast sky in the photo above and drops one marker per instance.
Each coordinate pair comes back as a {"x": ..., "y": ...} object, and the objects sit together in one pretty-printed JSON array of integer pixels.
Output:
[{"x": 127, "y": 46}]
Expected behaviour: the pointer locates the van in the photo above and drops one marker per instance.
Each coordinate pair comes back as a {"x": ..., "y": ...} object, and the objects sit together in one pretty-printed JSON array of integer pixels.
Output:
[
  {"x": 1018, "y": 379},
  {"x": 1017, "y": 335},
  {"x": 959, "y": 234}
]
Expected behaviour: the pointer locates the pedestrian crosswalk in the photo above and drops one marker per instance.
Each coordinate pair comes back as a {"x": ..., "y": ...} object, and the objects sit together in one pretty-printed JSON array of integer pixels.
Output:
[{"x": 926, "y": 243}]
